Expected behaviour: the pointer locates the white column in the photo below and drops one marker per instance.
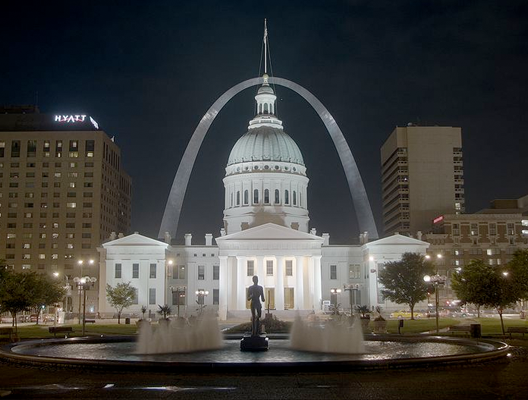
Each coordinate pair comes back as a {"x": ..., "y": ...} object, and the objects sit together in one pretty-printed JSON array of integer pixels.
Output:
[
  {"x": 279, "y": 284},
  {"x": 311, "y": 283},
  {"x": 241, "y": 283},
  {"x": 317, "y": 294},
  {"x": 299, "y": 285},
  {"x": 222, "y": 286},
  {"x": 260, "y": 271}
]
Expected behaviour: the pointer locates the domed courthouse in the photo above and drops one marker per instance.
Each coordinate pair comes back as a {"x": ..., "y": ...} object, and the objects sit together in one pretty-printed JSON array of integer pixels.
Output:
[{"x": 266, "y": 233}]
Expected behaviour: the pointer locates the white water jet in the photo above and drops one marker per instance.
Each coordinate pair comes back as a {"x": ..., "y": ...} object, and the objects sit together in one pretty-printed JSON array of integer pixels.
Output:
[
  {"x": 181, "y": 336},
  {"x": 331, "y": 336}
]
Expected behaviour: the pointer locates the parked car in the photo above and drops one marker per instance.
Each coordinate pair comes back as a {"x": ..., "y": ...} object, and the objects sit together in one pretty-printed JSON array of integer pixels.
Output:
[{"x": 405, "y": 314}]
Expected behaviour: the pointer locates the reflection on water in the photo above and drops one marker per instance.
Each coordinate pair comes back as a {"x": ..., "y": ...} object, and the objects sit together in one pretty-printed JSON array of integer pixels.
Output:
[{"x": 279, "y": 352}]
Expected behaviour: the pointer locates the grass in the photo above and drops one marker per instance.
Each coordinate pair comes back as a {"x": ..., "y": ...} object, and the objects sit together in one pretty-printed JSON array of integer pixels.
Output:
[{"x": 419, "y": 325}]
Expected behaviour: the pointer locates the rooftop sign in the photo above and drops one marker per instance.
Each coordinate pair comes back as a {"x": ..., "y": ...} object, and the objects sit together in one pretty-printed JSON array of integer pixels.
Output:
[
  {"x": 438, "y": 219},
  {"x": 74, "y": 118}
]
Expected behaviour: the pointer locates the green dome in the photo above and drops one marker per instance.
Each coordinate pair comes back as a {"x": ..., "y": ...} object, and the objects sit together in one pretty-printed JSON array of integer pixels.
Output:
[{"x": 265, "y": 144}]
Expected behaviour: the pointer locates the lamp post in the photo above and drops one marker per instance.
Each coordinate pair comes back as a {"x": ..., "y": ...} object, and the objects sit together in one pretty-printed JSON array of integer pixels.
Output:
[
  {"x": 352, "y": 295},
  {"x": 436, "y": 280},
  {"x": 201, "y": 297},
  {"x": 83, "y": 283},
  {"x": 333, "y": 297},
  {"x": 180, "y": 292},
  {"x": 81, "y": 264}
]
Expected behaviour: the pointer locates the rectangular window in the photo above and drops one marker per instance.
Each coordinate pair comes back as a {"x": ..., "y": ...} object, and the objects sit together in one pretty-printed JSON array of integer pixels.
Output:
[
  {"x": 89, "y": 147},
  {"x": 152, "y": 271},
  {"x": 333, "y": 271},
  {"x": 15, "y": 148},
  {"x": 135, "y": 271},
  {"x": 250, "y": 268},
  {"x": 31, "y": 148},
  {"x": 216, "y": 272},
  {"x": 354, "y": 271},
  {"x": 493, "y": 229},
  {"x": 58, "y": 149},
  {"x": 201, "y": 272},
  {"x": 118, "y": 271},
  {"x": 474, "y": 229},
  {"x": 269, "y": 267},
  {"x": 289, "y": 268},
  {"x": 178, "y": 272},
  {"x": 216, "y": 296},
  {"x": 2, "y": 149},
  {"x": 135, "y": 299},
  {"x": 152, "y": 296}
]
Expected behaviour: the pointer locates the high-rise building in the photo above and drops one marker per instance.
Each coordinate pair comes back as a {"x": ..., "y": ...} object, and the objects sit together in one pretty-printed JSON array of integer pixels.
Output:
[
  {"x": 422, "y": 177},
  {"x": 62, "y": 191}
]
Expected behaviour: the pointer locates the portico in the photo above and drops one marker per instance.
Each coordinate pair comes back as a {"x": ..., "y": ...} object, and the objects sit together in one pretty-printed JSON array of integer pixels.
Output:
[{"x": 287, "y": 262}]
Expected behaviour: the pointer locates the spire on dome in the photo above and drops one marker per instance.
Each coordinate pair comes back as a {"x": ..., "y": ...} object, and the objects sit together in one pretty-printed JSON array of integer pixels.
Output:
[{"x": 265, "y": 47}]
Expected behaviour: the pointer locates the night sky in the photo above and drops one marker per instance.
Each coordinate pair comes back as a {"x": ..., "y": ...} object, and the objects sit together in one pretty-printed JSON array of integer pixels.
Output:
[{"x": 147, "y": 71}]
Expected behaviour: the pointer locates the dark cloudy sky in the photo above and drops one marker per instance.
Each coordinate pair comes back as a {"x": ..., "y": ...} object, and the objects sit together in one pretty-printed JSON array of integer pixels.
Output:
[{"x": 148, "y": 70}]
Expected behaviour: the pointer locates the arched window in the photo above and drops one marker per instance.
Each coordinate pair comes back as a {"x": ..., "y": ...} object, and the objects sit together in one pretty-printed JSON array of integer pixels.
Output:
[
  {"x": 231, "y": 199},
  {"x": 286, "y": 197},
  {"x": 238, "y": 198},
  {"x": 265, "y": 108},
  {"x": 294, "y": 198},
  {"x": 277, "y": 197},
  {"x": 255, "y": 196},
  {"x": 266, "y": 196},
  {"x": 300, "y": 199},
  {"x": 246, "y": 196}
]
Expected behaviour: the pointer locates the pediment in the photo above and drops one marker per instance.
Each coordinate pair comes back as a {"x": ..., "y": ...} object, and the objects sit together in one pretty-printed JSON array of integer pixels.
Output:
[
  {"x": 135, "y": 239},
  {"x": 397, "y": 240},
  {"x": 269, "y": 231}
]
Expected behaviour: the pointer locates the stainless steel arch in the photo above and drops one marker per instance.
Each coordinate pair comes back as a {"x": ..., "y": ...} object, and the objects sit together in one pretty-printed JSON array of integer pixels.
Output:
[{"x": 171, "y": 216}]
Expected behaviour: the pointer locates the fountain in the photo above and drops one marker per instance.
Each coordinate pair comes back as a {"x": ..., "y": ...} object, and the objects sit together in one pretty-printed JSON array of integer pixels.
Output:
[
  {"x": 180, "y": 336},
  {"x": 334, "y": 336}
]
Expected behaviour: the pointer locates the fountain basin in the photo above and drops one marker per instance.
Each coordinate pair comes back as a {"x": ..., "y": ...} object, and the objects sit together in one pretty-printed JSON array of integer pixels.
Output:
[{"x": 381, "y": 352}]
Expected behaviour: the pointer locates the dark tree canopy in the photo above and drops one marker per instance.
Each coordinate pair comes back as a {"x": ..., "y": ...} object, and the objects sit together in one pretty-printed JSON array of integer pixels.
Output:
[{"x": 403, "y": 281}]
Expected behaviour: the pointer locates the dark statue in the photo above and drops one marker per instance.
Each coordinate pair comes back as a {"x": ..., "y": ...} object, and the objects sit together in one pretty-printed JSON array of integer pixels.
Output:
[
  {"x": 257, "y": 341},
  {"x": 255, "y": 294}
]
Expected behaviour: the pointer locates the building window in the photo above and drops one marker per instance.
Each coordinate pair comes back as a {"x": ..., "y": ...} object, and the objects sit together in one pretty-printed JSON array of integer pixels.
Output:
[
  {"x": 246, "y": 197},
  {"x": 269, "y": 267},
  {"x": 15, "y": 148},
  {"x": 294, "y": 198},
  {"x": 31, "y": 148},
  {"x": 178, "y": 272},
  {"x": 216, "y": 296},
  {"x": 289, "y": 268},
  {"x": 266, "y": 196},
  {"x": 152, "y": 296},
  {"x": 354, "y": 271},
  {"x": 135, "y": 271},
  {"x": 277, "y": 196},
  {"x": 201, "y": 272},
  {"x": 333, "y": 271},
  {"x": 474, "y": 229},
  {"x": 286, "y": 197},
  {"x": 216, "y": 272},
  {"x": 117, "y": 271},
  {"x": 238, "y": 199},
  {"x": 255, "y": 196},
  {"x": 250, "y": 268},
  {"x": 135, "y": 298},
  {"x": 153, "y": 271},
  {"x": 493, "y": 229}
]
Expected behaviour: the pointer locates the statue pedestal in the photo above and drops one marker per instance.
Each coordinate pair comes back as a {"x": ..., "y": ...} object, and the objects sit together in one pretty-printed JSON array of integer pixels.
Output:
[{"x": 254, "y": 343}]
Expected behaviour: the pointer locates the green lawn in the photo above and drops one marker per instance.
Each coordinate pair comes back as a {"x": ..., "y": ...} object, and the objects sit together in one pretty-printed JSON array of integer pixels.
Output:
[{"x": 419, "y": 325}]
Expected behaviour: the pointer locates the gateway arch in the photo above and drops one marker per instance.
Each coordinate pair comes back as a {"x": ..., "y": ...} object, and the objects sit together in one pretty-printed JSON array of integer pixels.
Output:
[{"x": 173, "y": 208}]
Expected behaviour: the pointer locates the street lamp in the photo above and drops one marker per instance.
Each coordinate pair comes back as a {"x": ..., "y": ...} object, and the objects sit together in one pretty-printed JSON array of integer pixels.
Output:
[
  {"x": 436, "y": 280},
  {"x": 201, "y": 297},
  {"x": 180, "y": 292},
  {"x": 81, "y": 264},
  {"x": 333, "y": 297},
  {"x": 84, "y": 284}
]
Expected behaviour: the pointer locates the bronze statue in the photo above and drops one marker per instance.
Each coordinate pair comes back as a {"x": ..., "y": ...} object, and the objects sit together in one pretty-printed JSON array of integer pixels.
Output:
[{"x": 255, "y": 293}]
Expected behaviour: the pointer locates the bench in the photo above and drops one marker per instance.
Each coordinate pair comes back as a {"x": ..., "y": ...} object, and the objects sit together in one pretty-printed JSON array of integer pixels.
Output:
[
  {"x": 7, "y": 331},
  {"x": 460, "y": 328},
  {"x": 517, "y": 329},
  {"x": 60, "y": 329},
  {"x": 89, "y": 321}
]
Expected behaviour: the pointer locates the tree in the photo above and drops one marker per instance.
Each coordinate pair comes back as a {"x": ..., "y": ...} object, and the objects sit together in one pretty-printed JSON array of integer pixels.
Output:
[
  {"x": 164, "y": 310},
  {"x": 486, "y": 285},
  {"x": 120, "y": 297},
  {"x": 472, "y": 282},
  {"x": 518, "y": 267},
  {"x": 16, "y": 293},
  {"x": 403, "y": 280}
]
